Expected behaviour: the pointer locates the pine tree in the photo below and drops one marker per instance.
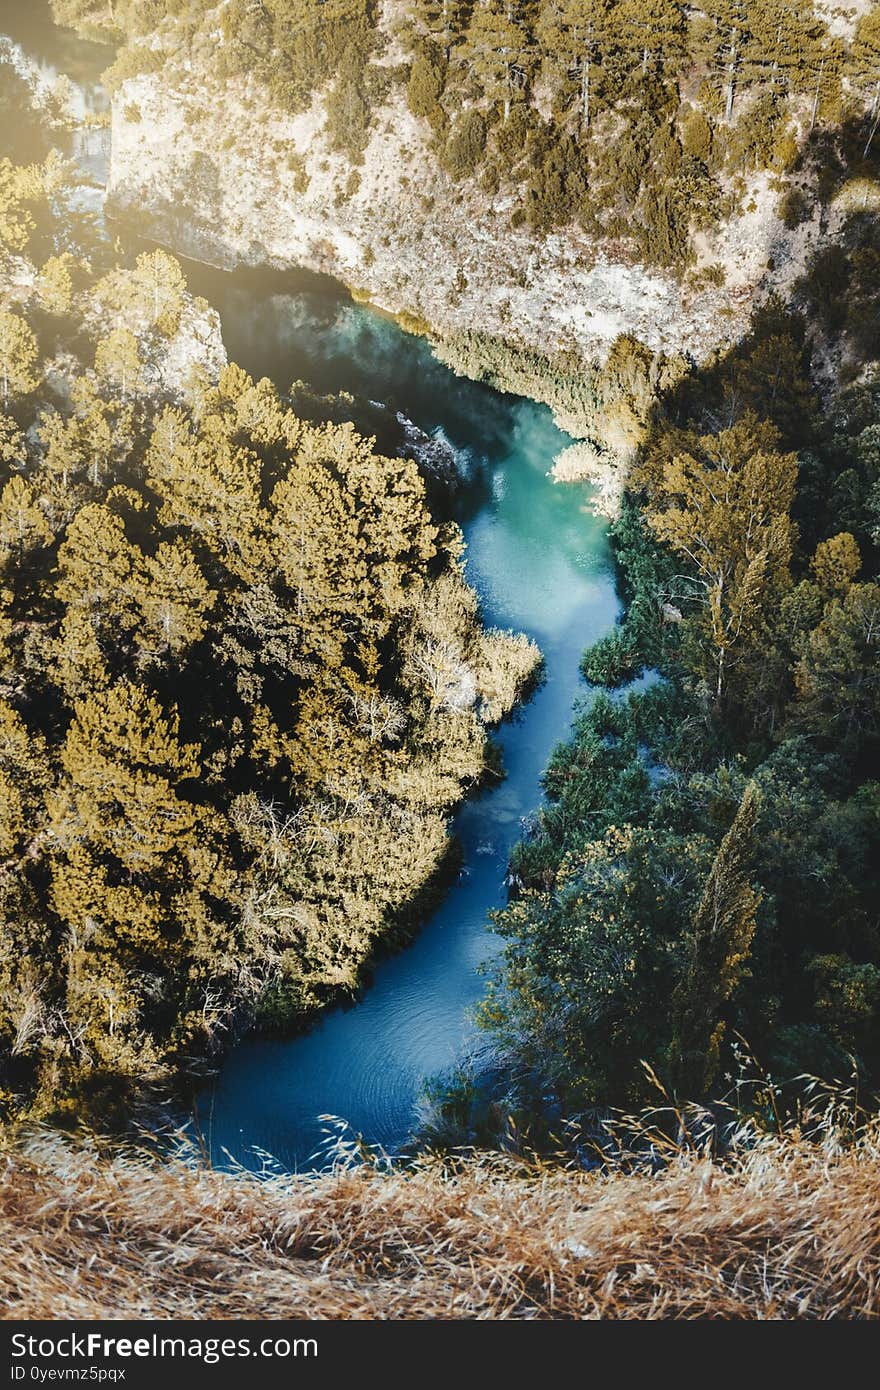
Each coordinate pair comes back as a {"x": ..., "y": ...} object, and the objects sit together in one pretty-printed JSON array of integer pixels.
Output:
[
  {"x": 12, "y": 442},
  {"x": 651, "y": 33},
  {"x": 725, "y": 507},
  {"x": 720, "y": 37},
  {"x": 837, "y": 678},
  {"x": 123, "y": 764},
  {"x": 717, "y": 948},
  {"x": 23, "y": 526},
  {"x": 118, "y": 362},
  {"x": 55, "y": 285},
  {"x": 443, "y": 21},
  {"x": 498, "y": 51},
  {"x": 209, "y": 486},
  {"x": 174, "y": 601},
  {"x": 18, "y": 356},
  {"x": 864, "y": 67},
  {"x": 99, "y": 569},
  {"x": 571, "y": 32},
  {"x": 162, "y": 282}
]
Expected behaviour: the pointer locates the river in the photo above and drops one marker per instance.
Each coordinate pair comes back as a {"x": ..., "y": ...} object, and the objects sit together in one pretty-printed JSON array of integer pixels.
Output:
[{"x": 540, "y": 562}]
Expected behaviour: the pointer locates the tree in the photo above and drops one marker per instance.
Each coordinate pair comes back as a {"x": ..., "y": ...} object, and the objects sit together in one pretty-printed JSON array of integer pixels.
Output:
[
  {"x": 22, "y": 525},
  {"x": 725, "y": 507},
  {"x": 209, "y": 486},
  {"x": 18, "y": 356},
  {"x": 836, "y": 562},
  {"x": 498, "y": 51},
  {"x": 149, "y": 295},
  {"x": 12, "y": 443},
  {"x": 174, "y": 600},
  {"x": 105, "y": 427},
  {"x": 118, "y": 361},
  {"x": 837, "y": 678},
  {"x": 440, "y": 20},
  {"x": 864, "y": 67},
  {"x": 571, "y": 32},
  {"x": 717, "y": 947},
  {"x": 99, "y": 567},
  {"x": 22, "y": 189},
  {"x": 722, "y": 35},
  {"x": 163, "y": 283},
  {"x": 55, "y": 285},
  {"x": 64, "y": 447},
  {"x": 350, "y": 531},
  {"x": 650, "y": 32},
  {"x": 123, "y": 764}
]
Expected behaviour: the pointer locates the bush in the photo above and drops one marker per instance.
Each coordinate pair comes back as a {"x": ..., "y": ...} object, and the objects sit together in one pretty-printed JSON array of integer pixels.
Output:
[
  {"x": 423, "y": 90},
  {"x": 614, "y": 660},
  {"x": 465, "y": 146}
]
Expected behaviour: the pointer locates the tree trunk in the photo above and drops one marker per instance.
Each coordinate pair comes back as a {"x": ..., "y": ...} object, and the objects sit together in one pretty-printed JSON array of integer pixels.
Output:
[
  {"x": 815, "y": 109},
  {"x": 731, "y": 78},
  {"x": 874, "y": 118},
  {"x": 585, "y": 91}
]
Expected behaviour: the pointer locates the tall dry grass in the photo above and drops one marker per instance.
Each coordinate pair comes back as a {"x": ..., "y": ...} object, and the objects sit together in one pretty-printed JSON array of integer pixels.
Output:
[{"x": 789, "y": 1228}]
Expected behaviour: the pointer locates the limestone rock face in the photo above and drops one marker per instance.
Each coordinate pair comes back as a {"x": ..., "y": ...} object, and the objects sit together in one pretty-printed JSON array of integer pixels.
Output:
[{"x": 223, "y": 177}]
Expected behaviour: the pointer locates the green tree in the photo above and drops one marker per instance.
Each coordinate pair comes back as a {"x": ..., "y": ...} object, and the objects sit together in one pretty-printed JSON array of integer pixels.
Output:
[
  {"x": 499, "y": 53},
  {"x": 443, "y": 21},
  {"x": 650, "y": 33},
  {"x": 18, "y": 356},
  {"x": 864, "y": 67},
  {"x": 724, "y": 506},
  {"x": 837, "y": 678},
  {"x": 571, "y": 33},
  {"x": 717, "y": 947}
]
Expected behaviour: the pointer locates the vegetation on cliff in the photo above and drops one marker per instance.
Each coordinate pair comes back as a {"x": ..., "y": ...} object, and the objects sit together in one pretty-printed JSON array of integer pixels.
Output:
[{"x": 638, "y": 120}]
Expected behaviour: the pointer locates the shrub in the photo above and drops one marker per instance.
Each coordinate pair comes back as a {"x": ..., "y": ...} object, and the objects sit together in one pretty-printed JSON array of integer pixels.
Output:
[
  {"x": 614, "y": 660},
  {"x": 465, "y": 146}
]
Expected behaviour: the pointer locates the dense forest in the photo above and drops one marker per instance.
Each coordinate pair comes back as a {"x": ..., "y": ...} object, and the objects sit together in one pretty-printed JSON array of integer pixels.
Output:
[
  {"x": 639, "y": 120},
  {"x": 703, "y": 888},
  {"x": 242, "y": 679}
]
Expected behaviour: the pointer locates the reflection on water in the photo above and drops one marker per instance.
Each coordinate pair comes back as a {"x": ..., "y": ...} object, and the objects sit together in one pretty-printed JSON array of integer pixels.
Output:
[{"x": 53, "y": 56}]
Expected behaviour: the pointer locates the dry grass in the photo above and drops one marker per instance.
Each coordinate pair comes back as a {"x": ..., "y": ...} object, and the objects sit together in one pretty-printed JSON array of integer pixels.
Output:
[{"x": 789, "y": 1229}]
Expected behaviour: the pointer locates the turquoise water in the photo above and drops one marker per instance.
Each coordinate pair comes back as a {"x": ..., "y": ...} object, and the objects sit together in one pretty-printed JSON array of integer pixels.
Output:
[{"x": 540, "y": 563}]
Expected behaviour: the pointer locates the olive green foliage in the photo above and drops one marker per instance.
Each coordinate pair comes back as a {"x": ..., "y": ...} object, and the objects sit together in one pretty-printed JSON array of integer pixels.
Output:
[
  {"x": 242, "y": 682},
  {"x": 707, "y": 864}
]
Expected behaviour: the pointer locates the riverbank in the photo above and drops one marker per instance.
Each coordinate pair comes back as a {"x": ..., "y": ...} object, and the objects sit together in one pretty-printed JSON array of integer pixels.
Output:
[{"x": 787, "y": 1229}]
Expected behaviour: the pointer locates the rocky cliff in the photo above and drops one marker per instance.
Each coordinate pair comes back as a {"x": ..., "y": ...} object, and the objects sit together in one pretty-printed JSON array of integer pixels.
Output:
[{"x": 218, "y": 174}]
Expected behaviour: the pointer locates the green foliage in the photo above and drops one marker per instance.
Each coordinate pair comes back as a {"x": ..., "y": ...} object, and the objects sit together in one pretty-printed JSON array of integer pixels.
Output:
[
  {"x": 706, "y": 863},
  {"x": 465, "y": 146},
  {"x": 348, "y": 112}
]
